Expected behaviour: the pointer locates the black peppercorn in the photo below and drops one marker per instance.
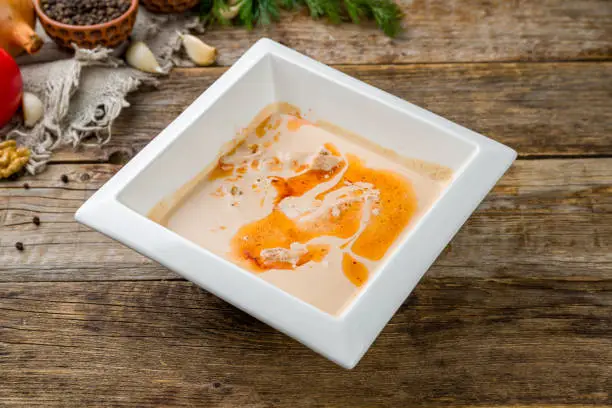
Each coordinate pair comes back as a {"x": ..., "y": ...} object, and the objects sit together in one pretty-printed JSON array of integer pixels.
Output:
[
  {"x": 26, "y": 186},
  {"x": 19, "y": 246},
  {"x": 64, "y": 178},
  {"x": 36, "y": 220},
  {"x": 84, "y": 12}
]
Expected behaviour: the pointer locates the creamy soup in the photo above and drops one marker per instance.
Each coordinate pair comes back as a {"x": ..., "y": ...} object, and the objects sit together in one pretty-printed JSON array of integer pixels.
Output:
[{"x": 306, "y": 206}]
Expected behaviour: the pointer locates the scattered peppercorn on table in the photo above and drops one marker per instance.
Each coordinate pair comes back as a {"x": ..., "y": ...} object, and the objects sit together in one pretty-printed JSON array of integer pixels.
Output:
[{"x": 517, "y": 311}]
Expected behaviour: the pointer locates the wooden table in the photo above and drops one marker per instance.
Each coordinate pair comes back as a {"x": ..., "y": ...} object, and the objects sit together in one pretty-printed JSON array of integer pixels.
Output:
[{"x": 516, "y": 312}]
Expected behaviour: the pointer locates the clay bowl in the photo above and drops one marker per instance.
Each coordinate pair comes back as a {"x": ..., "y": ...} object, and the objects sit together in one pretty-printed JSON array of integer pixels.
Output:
[
  {"x": 169, "y": 6},
  {"x": 109, "y": 34}
]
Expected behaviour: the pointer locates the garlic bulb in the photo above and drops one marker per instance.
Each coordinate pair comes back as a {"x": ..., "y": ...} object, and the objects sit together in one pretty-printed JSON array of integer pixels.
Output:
[
  {"x": 33, "y": 109},
  {"x": 140, "y": 57},
  {"x": 199, "y": 52}
]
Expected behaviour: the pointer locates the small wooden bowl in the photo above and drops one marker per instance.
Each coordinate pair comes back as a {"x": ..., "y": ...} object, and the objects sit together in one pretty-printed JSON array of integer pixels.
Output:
[
  {"x": 109, "y": 34},
  {"x": 169, "y": 6}
]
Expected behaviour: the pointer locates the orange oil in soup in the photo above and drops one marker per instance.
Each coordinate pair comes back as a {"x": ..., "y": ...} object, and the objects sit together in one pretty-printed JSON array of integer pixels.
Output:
[
  {"x": 391, "y": 213},
  {"x": 309, "y": 209}
]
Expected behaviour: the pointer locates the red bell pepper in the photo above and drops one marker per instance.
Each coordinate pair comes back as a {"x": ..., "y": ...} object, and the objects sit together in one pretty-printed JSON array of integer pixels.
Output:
[{"x": 11, "y": 87}]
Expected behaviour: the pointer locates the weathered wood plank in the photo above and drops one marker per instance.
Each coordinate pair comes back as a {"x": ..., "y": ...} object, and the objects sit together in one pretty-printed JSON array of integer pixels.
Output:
[
  {"x": 549, "y": 218},
  {"x": 538, "y": 109},
  {"x": 446, "y": 31},
  {"x": 456, "y": 341}
]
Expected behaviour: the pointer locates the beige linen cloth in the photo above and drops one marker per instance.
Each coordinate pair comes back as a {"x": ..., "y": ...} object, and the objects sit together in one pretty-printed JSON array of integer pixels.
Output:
[{"x": 83, "y": 92}]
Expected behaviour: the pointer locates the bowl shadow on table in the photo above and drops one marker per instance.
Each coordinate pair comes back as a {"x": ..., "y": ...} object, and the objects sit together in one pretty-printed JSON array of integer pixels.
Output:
[
  {"x": 454, "y": 336},
  {"x": 200, "y": 319},
  {"x": 196, "y": 318},
  {"x": 213, "y": 347},
  {"x": 412, "y": 351}
]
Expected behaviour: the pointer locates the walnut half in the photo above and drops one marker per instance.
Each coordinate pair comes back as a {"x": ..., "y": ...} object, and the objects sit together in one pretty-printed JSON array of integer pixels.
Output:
[{"x": 12, "y": 158}]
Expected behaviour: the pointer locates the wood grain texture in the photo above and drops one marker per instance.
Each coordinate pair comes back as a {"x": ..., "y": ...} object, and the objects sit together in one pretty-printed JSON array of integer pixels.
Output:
[
  {"x": 445, "y": 31},
  {"x": 517, "y": 311},
  {"x": 456, "y": 341},
  {"x": 538, "y": 109},
  {"x": 546, "y": 218}
]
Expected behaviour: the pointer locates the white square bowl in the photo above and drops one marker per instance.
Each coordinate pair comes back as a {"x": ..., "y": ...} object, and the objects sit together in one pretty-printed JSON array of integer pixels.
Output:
[{"x": 267, "y": 73}]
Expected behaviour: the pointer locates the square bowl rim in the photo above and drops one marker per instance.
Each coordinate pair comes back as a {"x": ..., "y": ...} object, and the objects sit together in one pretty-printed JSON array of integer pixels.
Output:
[{"x": 343, "y": 338}]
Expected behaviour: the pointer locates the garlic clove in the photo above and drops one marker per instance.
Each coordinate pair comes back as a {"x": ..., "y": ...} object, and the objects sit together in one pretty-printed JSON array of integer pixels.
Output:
[
  {"x": 139, "y": 56},
  {"x": 33, "y": 109},
  {"x": 199, "y": 52},
  {"x": 230, "y": 12}
]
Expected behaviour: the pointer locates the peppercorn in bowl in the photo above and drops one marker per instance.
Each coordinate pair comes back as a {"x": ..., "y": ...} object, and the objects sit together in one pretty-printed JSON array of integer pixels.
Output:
[{"x": 87, "y": 23}]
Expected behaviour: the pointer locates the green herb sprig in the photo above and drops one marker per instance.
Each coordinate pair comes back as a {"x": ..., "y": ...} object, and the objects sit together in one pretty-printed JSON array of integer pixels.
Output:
[{"x": 386, "y": 13}]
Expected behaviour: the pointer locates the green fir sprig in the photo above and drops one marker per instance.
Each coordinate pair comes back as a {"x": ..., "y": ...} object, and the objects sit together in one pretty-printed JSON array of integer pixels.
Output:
[{"x": 386, "y": 13}]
